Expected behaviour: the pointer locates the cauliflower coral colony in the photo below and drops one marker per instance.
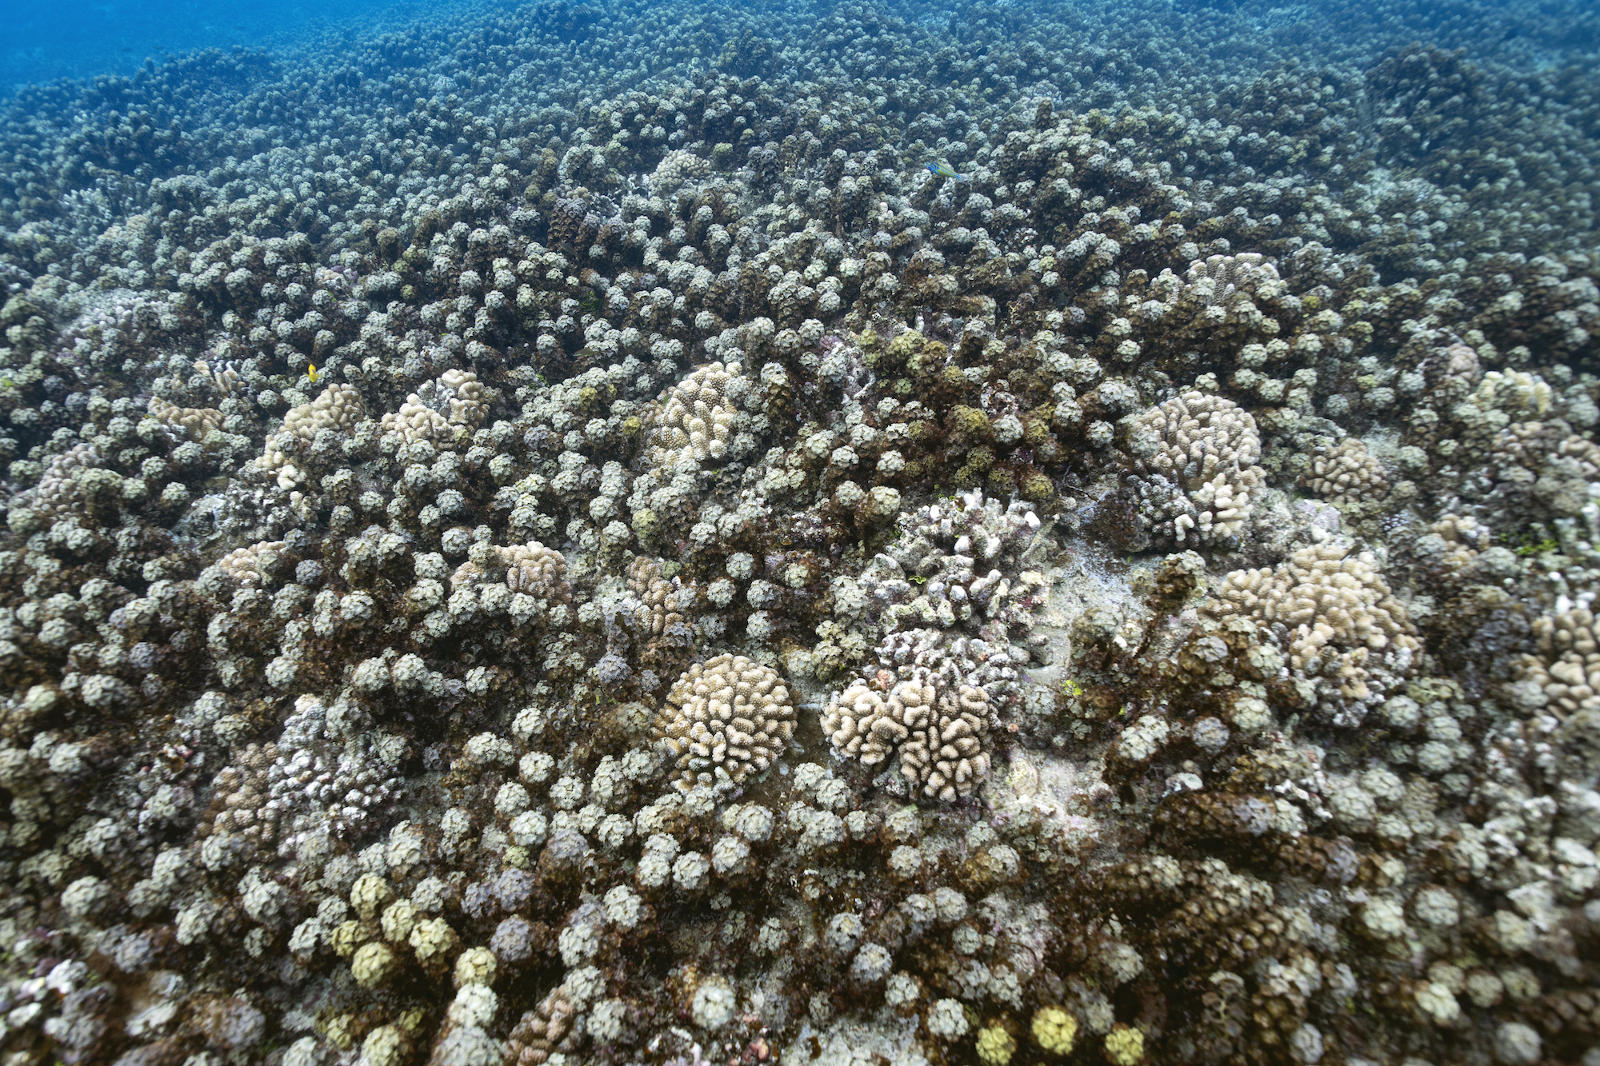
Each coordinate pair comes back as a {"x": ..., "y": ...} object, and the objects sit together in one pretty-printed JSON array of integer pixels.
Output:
[{"x": 730, "y": 592}]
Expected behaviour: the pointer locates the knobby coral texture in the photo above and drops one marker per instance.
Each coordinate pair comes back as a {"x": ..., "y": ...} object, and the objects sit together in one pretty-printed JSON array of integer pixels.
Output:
[{"x": 837, "y": 533}]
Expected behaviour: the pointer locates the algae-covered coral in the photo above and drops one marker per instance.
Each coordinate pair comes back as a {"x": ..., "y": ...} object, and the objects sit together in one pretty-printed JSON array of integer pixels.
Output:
[{"x": 730, "y": 592}]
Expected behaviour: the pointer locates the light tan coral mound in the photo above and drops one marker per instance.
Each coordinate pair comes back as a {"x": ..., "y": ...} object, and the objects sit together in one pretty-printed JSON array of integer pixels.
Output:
[
  {"x": 664, "y": 601},
  {"x": 1229, "y": 282},
  {"x": 454, "y": 401},
  {"x": 548, "y": 1029},
  {"x": 937, "y": 730},
  {"x": 697, "y": 418},
  {"x": 195, "y": 421},
  {"x": 725, "y": 719},
  {"x": 1567, "y": 668},
  {"x": 1337, "y": 618},
  {"x": 1196, "y": 455},
  {"x": 246, "y": 565},
  {"x": 58, "y": 488},
  {"x": 1347, "y": 475},
  {"x": 677, "y": 167},
  {"x": 531, "y": 568},
  {"x": 338, "y": 407}
]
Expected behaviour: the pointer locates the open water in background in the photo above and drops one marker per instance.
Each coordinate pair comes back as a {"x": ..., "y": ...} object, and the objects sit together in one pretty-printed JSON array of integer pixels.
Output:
[
  {"x": 43, "y": 40},
  {"x": 46, "y": 40}
]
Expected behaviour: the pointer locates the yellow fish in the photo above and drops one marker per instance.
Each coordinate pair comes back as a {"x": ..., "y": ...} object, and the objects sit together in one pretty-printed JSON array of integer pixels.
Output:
[{"x": 311, "y": 372}]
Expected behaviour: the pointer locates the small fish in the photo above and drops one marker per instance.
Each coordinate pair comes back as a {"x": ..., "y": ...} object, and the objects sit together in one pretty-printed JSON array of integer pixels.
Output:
[
  {"x": 939, "y": 168},
  {"x": 311, "y": 372}
]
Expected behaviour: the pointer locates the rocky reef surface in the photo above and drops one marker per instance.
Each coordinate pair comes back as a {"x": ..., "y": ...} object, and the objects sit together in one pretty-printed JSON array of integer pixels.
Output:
[{"x": 554, "y": 536}]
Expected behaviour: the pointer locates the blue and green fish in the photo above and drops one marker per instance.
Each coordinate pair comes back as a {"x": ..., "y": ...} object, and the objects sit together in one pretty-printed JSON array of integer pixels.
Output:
[{"x": 942, "y": 169}]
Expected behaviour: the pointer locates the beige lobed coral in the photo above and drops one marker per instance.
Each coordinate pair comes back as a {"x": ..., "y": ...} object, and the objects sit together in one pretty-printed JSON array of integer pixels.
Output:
[
  {"x": 453, "y": 401},
  {"x": 1196, "y": 457},
  {"x": 1338, "y": 619},
  {"x": 677, "y": 167},
  {"x": 246, "y": 565},
  {"x": 697, "y": 418},
  {"x": 338, "y": 407},
  {"x": 196, "y": 421},
  {"x": 463, "y": 396},
  {"x": 937, "y": 729},
  {"x": 664, "y": 601},
  {"x": 416, "y": 421},
  {"x": 529, "y": 568},
  {"x": 1567, "y": 667},
  {"x": 532, "y": 567},
  {"x": 1547, "y": 447},
  {"x": 57, "y": 490},
  {"x": 1346, "y": 474},
  {"x": 725, "y": 719},
  {"x": 1227, "y": 283},
  {"x": 544, "y": 1031},
  {"x": 1518, "y": 393},
  {"x": 1462, "y": 541}
]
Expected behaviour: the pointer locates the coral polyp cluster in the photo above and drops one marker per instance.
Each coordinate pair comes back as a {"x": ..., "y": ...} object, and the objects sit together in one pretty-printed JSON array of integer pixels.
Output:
[{"x": 605, "y": 533}]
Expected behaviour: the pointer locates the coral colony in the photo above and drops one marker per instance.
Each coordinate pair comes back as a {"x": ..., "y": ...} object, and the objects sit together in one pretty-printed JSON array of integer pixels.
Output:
[{"x": 564, "y": 536}]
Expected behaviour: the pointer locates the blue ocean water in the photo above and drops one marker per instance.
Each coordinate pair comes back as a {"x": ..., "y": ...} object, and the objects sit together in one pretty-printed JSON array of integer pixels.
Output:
[
  {"x": 76, "y": 39},
  {"x": 82, "y": 38}
]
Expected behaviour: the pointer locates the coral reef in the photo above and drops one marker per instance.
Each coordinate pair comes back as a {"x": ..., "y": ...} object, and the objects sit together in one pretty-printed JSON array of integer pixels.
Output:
[{"x": 553, "y": 535}]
